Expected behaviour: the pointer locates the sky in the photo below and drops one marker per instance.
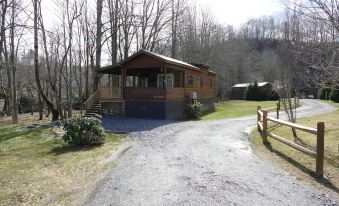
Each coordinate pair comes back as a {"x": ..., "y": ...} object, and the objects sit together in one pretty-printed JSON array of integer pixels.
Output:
[
  {"x": 236, "y": 12},
  {"x": 231, "y": 12}
]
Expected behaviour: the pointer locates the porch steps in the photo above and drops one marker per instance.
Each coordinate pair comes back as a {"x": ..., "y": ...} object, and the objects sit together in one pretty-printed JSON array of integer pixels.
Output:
[{"x": 94, "y": 110}]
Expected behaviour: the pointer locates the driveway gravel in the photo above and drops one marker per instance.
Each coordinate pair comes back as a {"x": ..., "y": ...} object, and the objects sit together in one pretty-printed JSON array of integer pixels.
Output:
[{"x": 201, "y": 163}]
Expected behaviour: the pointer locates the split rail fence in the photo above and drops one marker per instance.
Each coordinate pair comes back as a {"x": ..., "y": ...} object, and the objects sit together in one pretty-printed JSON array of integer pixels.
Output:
[{"x": 262, "y": 124}]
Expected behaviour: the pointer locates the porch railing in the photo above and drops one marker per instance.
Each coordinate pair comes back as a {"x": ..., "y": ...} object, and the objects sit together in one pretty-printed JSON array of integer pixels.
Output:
[
  {"x": 91, "y": 100},
  {"x": 176, "y": 93},
  {"x": 114, "y": 93},
  {"x": 144, "y": 93},
  {"x": 109, "y": 93}
]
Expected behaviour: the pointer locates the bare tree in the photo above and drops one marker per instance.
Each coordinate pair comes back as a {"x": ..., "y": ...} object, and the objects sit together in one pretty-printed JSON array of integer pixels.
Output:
[
  {"x": 98, "y": 45},
  {"x": 49, "y": 103}
]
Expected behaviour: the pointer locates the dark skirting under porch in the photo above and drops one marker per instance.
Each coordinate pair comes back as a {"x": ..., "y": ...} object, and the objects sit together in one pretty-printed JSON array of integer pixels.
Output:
[{"x": 158, "y": 109}]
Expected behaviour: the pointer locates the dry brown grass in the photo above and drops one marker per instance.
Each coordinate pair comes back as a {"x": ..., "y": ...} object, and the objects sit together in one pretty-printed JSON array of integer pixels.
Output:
[
  {"x": 297, "y": 163},
  {"x": 38, "y": 168}
]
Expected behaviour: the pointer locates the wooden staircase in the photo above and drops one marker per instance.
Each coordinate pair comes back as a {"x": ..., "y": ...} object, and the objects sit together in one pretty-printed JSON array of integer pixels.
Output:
[
  {"x": 106, "y": 94},
  {"x": 94, "y": 110}
]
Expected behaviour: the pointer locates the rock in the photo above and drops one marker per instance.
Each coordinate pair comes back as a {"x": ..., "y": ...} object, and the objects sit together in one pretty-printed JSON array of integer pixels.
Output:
[{"x": 31, "y": 126}]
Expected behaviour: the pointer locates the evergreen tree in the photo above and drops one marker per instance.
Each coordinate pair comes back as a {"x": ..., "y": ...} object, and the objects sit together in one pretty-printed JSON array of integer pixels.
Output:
[{"x": 254, "y": 93}]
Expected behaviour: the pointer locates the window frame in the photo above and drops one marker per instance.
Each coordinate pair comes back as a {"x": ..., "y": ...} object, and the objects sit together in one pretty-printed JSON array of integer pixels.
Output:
[
  {"x": 189, "y": 80},
  {"x": 169, "y": 80}
]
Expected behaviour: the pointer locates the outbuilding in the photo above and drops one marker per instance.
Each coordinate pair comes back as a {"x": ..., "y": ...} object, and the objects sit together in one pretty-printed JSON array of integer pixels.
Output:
[{"x": 238, "y": 91}]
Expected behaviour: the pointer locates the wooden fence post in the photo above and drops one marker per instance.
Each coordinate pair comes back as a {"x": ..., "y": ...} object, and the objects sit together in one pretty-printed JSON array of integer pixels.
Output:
[
  {"x": 320, "y": 149},
  {"x": 278, "y": 110},
  {"x": 258, "y": 118},
  {"x": 264, "y": 123}
]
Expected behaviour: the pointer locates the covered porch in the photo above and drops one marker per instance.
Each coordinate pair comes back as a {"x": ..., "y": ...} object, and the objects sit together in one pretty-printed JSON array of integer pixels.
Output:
[{"x": 151, "y": 83}]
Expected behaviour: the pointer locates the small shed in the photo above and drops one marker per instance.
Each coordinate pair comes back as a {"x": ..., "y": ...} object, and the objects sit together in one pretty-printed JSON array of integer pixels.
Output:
[{"x": 238, "y": 91}]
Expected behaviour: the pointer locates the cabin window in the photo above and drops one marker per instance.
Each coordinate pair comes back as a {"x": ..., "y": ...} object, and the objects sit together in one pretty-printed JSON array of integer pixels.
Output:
[
  {"x": 190, "y": 80},
  {"x": 129, "y": 81},
  {"x": 169, "y": 80},
  {"x": 132, "y": 81},
  {"x": 144, "y": 82},
  {"x": 115, "y": 80},
  {"x": 201, "y": 82}
]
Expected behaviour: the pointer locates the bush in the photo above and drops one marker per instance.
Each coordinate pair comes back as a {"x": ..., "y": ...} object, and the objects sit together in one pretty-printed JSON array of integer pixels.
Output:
[
  {"x": 275, "y": 96},
  {"x": 195, "y": 110},
  {"x": 334, "y": 95},
  {"x": 82, "y": 131},
  {"x": 253, "y": 92}
]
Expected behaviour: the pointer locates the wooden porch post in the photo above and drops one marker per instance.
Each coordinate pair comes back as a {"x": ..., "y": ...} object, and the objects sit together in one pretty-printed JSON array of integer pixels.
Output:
[
  {"x": 165, "y": 80},
  {"x": 122, "y": 85},
  {"x": 99, "y": 85}
]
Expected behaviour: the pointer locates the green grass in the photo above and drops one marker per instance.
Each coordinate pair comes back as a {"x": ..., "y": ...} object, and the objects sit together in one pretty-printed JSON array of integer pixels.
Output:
[
  {"x": 236, "y": 108},
  {"x": 295, "y": 161},
  {"x": 38, "y": 168}
]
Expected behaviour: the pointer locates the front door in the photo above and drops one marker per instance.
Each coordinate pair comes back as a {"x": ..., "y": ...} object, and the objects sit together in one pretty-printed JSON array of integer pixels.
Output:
[{"x": 169, "y": 80}]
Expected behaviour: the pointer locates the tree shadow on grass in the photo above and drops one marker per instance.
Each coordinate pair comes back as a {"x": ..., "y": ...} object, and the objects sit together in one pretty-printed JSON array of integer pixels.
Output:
[
  {"x": 11, "y": 133},
  {"x": 71, "y": 148},
  {"x": 207, "y": 112},
  {"x": 5, "y": 135},
  {"x": 325, "y": 182}
]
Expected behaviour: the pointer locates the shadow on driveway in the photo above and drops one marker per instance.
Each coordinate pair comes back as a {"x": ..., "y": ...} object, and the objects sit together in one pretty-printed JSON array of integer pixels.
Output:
[{"x": 125, "y": 124}]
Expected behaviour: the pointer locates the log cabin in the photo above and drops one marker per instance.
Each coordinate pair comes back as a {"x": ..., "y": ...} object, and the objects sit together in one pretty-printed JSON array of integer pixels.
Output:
[{"x": 149, "y": 85}]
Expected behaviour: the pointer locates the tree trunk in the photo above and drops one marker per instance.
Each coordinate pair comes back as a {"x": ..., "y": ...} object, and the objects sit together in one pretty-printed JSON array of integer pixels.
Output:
[
  {"x": 98, "y": 46},
  {"x": 13, "y": 68},
  {"x": 174, "y": 31},
  {"x": 55, "y": 113},
  {"x": 40, "y": 107}
]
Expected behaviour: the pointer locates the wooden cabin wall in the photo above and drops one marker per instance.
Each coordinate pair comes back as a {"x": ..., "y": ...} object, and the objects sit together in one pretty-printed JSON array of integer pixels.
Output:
[{"x": 206, "y": 90}]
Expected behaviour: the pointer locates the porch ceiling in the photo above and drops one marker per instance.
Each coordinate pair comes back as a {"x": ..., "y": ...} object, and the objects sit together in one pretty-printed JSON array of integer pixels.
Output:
[{"x": 111, "y": 69}]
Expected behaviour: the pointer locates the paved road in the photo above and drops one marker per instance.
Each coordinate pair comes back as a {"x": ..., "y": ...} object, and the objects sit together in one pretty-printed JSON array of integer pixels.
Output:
[{"x": 203, "y": 163}]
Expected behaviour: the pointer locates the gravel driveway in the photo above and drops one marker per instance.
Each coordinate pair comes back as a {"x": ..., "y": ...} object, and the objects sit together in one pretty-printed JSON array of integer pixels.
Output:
[{"x": 202, "y": 163}]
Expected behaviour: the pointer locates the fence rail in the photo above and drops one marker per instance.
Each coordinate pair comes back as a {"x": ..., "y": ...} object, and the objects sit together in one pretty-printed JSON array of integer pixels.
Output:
[{"x": 262, "y": 122}]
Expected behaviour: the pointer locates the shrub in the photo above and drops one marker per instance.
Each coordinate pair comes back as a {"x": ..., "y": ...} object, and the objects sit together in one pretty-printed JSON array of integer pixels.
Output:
[
  {"x": 82, "y": 131},
  {"x": 275, "y": 96},
  {"x": 253, "y": 92},
  {"x": 334, "y": 95},
  {"x": 195, "y": 110}
]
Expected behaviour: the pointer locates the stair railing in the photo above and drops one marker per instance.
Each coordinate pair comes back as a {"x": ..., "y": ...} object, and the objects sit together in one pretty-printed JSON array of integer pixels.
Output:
[{"x": 91, "y": 100}]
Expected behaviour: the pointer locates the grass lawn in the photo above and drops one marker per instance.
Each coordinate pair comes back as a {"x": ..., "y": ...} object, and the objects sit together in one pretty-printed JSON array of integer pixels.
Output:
[
  {"x": 236, "y": 108},
  {"x": 38, "y": 168},
  {"x": 28, "y": 118},
  {"x": 297, "y": 163}
]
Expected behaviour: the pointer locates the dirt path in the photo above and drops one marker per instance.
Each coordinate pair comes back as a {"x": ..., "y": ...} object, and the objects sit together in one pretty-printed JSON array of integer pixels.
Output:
[{"x": 203, "y": 163}]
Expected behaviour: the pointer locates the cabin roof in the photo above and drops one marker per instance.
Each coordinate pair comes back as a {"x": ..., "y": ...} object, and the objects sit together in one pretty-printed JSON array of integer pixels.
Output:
[
  {"x": 169, "y": 60},
  {"x": 110, "y": 69},
  {"x": 244, "y": 85},
  {"x": 166, "y": 59}
]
